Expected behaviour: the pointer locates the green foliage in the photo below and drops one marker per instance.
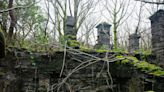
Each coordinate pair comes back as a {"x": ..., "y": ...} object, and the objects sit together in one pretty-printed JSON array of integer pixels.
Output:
[
  {"x": 40, "y": 37},
  {"x": 31, "y": 16},
  {"x": 31, "y": 27}
]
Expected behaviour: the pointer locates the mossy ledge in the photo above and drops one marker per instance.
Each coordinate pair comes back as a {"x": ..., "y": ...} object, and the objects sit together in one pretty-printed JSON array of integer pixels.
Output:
[{"x": 144, "y": 66}]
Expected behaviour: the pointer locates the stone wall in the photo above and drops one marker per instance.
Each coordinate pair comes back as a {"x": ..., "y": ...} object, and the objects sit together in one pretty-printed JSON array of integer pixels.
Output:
[{"x": 24, "y": 71}]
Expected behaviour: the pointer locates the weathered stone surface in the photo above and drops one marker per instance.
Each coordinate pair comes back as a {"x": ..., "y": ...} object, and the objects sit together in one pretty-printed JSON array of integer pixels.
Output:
[
  {"x": 45, "y": 73},
  {"x": 103, "y": 41},
  {"x": 69, "y": 26},
  {"x": 157, "y": 30},
  {"x": 133, "y": 42},
  {"x": 70, "y": 33}
]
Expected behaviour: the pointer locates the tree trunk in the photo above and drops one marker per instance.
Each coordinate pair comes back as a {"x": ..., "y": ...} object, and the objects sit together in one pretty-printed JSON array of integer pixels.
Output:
[
  {"x": 115, "y": 36},
  {"x": 13, "y": 21}
]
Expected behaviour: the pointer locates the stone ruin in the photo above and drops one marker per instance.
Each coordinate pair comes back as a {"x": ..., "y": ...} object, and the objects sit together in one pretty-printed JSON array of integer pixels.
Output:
[
  {"x": 70, "y": 33},
  {"x": 103, "y": 31},
  {"x": 69, "y": 26},
  {"x": 19, "y": 74},
  {"x": 133, "y": 42},
  {"x": 25, "y": 71},
  {"x": 157, "y": 31}
]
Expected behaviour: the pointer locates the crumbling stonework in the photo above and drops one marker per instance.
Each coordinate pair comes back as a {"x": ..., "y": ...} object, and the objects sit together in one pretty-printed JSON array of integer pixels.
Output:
[
  {"x": 157, "y": 31},
  {"x": 103, "y": 31},
  {"x": 70, "y": 33},
  {"x": 69, "y": 26},
  {"x": 24, "y": 71},
  {"x": 133, "y": 42}
]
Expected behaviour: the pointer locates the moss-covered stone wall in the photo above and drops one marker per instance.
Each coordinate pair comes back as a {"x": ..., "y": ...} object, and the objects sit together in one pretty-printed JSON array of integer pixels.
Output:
[{"x": 75, "y": 70}]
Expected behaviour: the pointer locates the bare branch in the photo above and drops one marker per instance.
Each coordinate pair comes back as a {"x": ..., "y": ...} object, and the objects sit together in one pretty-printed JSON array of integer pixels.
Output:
[
  {"x": 18, "y": 7},
  {"x": 150, "y": 2}
]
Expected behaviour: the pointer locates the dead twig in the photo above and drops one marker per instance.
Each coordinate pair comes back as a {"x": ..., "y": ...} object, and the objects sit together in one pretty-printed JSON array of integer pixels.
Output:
[{"x": 63, "y": 59}]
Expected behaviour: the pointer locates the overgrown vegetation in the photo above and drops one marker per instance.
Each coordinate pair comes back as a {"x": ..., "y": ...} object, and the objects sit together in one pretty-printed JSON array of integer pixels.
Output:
[
  {"x": 143, "y": 66},
  {"x": 30, "y": 30}
]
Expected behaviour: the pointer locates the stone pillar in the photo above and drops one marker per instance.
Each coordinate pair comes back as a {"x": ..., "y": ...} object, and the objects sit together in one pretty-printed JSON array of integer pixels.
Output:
[
  {"x": 70, "y": 34},
  {"x": 69, "y": 26},
  {"x": 103, "y": 32},
  {"x": 157, "y": 31},
  {"x": 133, "y": 42}
]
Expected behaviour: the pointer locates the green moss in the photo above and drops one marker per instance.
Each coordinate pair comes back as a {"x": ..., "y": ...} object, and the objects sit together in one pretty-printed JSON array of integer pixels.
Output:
[
  {"x": 120, "y": 57},
  {"x": 132, "y": 58},
  {"x": 120, "y": 51},
  {"x": 145, "y": 66},
  {"x": 145, "y": 56},
  {"x": 85, "y": 49},
  {"x": 73, "y": 43},
  {"x": 142, "y": 65},
  {"x": 101, "y": 50},
  {"x": 71, "y": 37},
  {"x": 158, "y": 73},
  {"x": 125, "y": 61}
]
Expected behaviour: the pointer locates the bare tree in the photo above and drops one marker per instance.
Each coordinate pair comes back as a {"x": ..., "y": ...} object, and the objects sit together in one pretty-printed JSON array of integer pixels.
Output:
[
  {"x": 118, "y": 13},
  {"x": 13, "y": 21},
  {"x": 9, "y": 9},
  {"x": 87, "y": 31},
  {"x": 79, "y": 9},
  {"x": 151, "y": 7}
]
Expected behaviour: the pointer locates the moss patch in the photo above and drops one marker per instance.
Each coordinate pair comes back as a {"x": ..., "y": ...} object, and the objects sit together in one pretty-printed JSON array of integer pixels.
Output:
[
  {"x": 73, "y": 43},
  {"x": 85, "y": 49},
  {"x": 142, "y": 65}
]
